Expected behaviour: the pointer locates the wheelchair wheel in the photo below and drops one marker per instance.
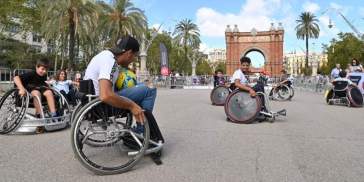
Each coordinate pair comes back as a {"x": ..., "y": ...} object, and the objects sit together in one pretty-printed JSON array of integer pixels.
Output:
[
  {"x": 97, "y": 122},
  {"x": 328, "y": 95},
  {"x": 283, "y": 92},
  {"x": 291, "y": 92},
  {"x": 218, "y": 95},
  {"x": 240, "y": 107},
  {"x": 12, "y": 110},
  {"x": 355, "y": 97}
]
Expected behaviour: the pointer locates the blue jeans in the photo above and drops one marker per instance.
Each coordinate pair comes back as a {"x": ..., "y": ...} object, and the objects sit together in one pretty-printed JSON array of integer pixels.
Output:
[{"x": 142, "y": 95}]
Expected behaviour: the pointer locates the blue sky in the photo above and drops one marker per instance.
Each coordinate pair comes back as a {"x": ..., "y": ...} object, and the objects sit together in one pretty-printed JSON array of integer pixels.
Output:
[{"x": 212, "y": 16}]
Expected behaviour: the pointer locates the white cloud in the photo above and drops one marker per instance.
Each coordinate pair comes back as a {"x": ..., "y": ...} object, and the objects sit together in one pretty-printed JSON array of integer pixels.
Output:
[
  {"x": 205, "y": 48},
  {"x": 311, "y": 7},
  {"x": 253, "y": 14}
]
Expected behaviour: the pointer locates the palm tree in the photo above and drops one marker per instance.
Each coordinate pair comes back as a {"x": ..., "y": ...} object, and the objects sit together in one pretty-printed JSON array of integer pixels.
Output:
[
  {"x": 72, "y": 16},
  {"x": 307, "y": 28},
  {"x": 122, "y": 18},
  {"x": 187, "y": 35}
]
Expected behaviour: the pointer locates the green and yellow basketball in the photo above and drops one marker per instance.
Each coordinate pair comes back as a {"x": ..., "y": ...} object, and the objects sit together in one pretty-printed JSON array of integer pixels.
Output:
[{"x": 126, "y": 79}]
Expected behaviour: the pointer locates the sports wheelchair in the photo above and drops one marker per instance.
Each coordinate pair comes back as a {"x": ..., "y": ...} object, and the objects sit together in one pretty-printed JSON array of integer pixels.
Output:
[
  {"x": 344, "y": 94},
  {"x": 240, "y": 107},
  {"x": 280, "y": 92},
  {"x": 104, "y": 139},
  {"x": 18, "y": 115}
]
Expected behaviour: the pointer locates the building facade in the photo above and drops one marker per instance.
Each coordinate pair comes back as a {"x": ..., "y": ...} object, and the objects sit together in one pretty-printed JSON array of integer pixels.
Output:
[{"x": 295, "y": 62}]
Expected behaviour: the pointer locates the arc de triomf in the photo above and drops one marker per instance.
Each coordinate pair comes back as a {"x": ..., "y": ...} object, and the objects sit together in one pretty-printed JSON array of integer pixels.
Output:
[{"x": 268, "y": 43}]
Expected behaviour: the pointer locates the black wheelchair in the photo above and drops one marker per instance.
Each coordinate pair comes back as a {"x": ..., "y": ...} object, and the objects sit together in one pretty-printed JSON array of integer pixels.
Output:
[
  {"x": 18, "y": 113},
  {"x": 104, "y": 138},
  {"x": 344, "y": 94}
]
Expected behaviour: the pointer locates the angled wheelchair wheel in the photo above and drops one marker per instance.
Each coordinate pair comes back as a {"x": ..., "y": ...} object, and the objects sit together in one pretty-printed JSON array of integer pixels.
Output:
[
  {"x": 64, "y": 114},
  {"x": 282, "y": 92},
  {"x": 355, "y": 97},
  {"x": 328, "y": 95},
  {"x": 101, "y": 137},
  {"x": 218, "y": 95},
  {"x": 240, "y": 107},
  {"x": 12, "y": 110}
]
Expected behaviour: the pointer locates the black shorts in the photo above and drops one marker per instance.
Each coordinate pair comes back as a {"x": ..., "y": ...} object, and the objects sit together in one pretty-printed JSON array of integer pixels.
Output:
[{"x": 41, "y": 89}]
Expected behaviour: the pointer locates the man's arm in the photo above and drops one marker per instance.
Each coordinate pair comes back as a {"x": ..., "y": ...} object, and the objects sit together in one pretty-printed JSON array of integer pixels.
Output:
[
  {"x": 109, "y": 97},
  {"x": 20, "y": 86},
  {"x": 244, "y": 87}
]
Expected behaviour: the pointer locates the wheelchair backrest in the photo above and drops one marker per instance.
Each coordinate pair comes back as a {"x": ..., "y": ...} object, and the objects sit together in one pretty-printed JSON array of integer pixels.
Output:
[
  {"x": 340, "y": 85},
  {"x": 87, "y": 87}
]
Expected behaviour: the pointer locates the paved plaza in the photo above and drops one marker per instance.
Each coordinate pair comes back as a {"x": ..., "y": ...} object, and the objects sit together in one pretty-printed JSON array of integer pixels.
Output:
[{"x": 315, "y": 142}]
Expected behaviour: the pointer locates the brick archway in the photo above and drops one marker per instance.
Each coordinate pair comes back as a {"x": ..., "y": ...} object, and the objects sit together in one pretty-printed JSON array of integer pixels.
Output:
[{"x": 269, "y": 43}]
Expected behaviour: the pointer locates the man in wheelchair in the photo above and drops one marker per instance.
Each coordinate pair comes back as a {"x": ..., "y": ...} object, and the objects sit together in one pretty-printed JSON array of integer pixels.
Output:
[
  {"x": 35, "y": 83},
  {"x": 103, "y": 70},
  {"x": 344, "y": 92},
  {"x": 240, "y": 81},
  {"x": 247, "y": 103}
]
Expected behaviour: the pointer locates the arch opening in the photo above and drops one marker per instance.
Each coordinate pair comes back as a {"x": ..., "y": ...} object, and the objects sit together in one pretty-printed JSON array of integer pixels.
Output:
[{"x": 257, "y": 57}]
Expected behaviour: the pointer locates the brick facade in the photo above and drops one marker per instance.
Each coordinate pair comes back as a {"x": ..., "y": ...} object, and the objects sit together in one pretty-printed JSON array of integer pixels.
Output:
[{"x": 269, "y": 43}]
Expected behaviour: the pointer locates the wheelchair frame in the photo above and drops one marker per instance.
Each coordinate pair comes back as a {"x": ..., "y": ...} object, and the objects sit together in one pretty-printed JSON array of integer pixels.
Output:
[{"x": 27, "y": 123}]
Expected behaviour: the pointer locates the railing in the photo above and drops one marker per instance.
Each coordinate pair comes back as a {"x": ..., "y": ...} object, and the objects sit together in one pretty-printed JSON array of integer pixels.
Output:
[{"x": 312, "y": 84}]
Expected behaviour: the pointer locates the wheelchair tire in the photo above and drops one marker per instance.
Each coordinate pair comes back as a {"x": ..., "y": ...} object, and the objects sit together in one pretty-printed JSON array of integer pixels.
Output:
[
  {"x": 355, "y": 96},
  {"x": 329, "y": 94},
  {"x": 112, "y": 151},
  {"x": 292, "y": 92},
  {"x": 11, "y": 103},
  {"x": 240, "y": 107},
  {"x": 283, "y": 92},
  {"x": 218, "y": 95}
]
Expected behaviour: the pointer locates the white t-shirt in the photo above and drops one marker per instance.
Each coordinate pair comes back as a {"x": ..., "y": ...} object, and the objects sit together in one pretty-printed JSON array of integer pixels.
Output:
[
  {"x": 239, "y": 75},
  {"x": 102, "y": 66}
]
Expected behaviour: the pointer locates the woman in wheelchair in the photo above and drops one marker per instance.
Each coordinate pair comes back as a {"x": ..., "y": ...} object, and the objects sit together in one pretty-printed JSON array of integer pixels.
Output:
[
  {"x": 65, "y": 87},
  {"x": 344, "y": 92},
  {"x": 103, "y": 136}
]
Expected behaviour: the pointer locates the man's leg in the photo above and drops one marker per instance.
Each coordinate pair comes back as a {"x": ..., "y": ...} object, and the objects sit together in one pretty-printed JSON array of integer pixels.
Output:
[
  {"x": 142, "y": 95},
  {"x": 36, "y": 93},
  {"x": 50, "y": 100}
]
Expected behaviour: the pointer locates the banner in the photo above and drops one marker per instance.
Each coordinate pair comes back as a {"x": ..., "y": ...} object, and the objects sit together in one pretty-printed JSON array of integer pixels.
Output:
[{"x": 164, "y": 59}]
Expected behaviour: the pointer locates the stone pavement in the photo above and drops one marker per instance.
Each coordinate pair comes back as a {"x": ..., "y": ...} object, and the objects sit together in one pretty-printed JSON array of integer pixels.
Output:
[{"x": 315, "y": 142}]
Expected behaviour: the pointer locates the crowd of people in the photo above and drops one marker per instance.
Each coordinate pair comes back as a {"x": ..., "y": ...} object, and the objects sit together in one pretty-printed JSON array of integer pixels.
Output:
[{"x": 354, "y": 66}]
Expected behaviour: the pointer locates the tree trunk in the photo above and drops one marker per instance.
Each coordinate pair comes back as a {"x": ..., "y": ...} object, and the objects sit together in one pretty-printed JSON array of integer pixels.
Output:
[
  {"x": 72, "y": 40},
  {"x": 306, "y": 63}
]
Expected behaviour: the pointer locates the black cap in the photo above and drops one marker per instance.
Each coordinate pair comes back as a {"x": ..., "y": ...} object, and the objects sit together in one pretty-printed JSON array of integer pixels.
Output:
[{"x": 126, "y": 43}]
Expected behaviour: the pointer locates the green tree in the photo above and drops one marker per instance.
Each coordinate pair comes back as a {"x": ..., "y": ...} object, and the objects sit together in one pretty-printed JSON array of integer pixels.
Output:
[
  {"x": 71, "y": 16},
  {"x": 122, "y": 18},
  {"x": 203, "y": 67},
  {"x": 343, "y": 50},
  {"x": 307, "y": 28},
  {"x": 187, "y": 36},
  {"x": 221, "y": 66}
]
